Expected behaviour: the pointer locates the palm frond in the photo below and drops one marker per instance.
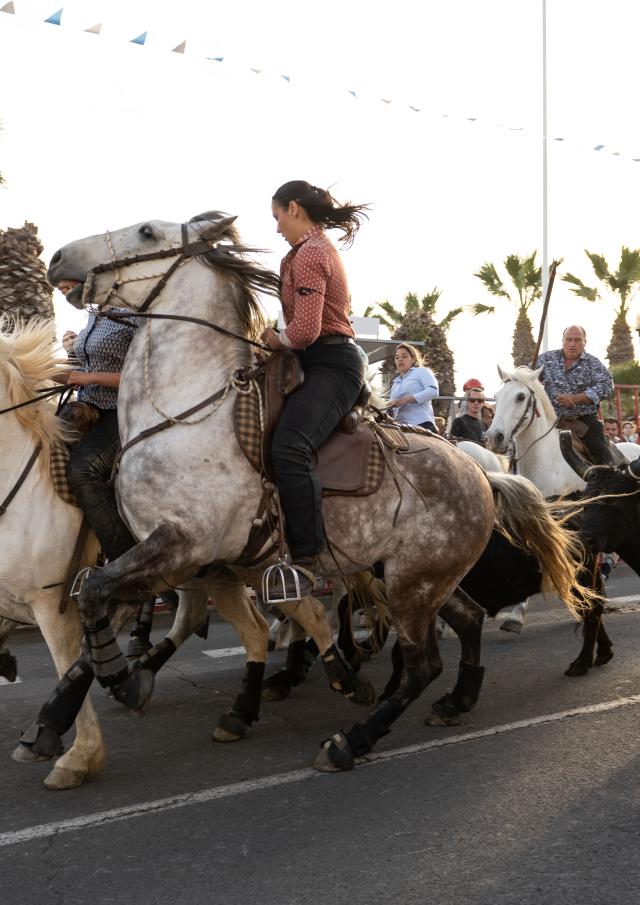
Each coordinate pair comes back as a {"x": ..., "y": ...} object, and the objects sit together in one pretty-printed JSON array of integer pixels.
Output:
[
  {"x": 447, "y": 320},
  {"x": 479, "y": 308},
  {"x": 489, "y": 276},
  {"x": 429, "y": 301},
  {"x": 393, "y": 314},
  {"x": 579, "y": 288},
  {"x": 600, "y": 266},
  {"x": 411, "y": 302}
]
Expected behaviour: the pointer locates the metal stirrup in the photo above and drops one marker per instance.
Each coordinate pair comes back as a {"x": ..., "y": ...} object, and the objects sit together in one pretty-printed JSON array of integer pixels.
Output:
[{"x": 274, "y": 583}]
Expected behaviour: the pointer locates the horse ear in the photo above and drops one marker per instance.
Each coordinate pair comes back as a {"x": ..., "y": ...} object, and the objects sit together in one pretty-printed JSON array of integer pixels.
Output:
[
  {"x": 217, "y": 229},
  {"x": 503, "y": 374},
  {"x": 536, "y": 374}
]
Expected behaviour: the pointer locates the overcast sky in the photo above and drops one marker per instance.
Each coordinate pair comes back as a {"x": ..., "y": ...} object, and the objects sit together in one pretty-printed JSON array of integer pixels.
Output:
[{"x": 99, "y": 133}]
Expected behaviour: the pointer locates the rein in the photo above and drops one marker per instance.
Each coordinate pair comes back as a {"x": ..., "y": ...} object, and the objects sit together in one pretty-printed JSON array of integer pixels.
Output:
[
  {"x": 532, "y": 406},
  {"x": 48, "y": 391},
  {"x": 23, "y": 477}
]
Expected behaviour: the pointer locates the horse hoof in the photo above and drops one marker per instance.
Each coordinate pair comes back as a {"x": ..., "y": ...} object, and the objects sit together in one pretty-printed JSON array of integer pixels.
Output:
[
  {"x": 62, "y": 778},
  {"x": 335, "y": 755},
  {"x": 577, "y": 669},
  {"x": 603, "y": 658},
  {"x": 364, "y": 693},
  {"x": 24, "y": 754},
  {"x": 135, "y": 692},
  {"x": 276, "y": 692},
  {"x": 437, "y": 718},
  {"x": 137, "y": 647},
  {"x": 512, "y": 625},
  {"x": 230, "y": 728}
]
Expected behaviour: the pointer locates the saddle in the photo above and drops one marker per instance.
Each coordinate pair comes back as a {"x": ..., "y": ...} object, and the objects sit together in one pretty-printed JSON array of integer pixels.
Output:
[
  {"x": 578, "y": 429},
  {"x": 347, "y": 463}
]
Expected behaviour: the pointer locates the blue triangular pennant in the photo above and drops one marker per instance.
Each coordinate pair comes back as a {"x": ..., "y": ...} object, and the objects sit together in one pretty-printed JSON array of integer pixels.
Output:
[
  {"x": 140, "y": 39},
  {"x": 216, "y": 59},
  {"x": 55, "y": 18},
  {"x": 287, "y": 78}
]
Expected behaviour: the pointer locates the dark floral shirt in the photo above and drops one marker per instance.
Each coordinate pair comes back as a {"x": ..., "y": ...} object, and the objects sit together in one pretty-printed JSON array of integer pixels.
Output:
[
  {"x": 102, "y": 346},
  {"x": 588, "y": 375}
]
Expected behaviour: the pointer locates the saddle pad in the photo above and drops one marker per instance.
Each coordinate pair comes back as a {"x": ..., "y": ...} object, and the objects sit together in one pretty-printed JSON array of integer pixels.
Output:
[
  {"x": 246, "y": 416},
  {"x": 58, "y": 469},
  {"x": 350, "y": 463}
]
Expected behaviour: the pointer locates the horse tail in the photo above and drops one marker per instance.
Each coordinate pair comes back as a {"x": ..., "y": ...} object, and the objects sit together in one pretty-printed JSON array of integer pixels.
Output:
[{"x": 525, "y": 518}]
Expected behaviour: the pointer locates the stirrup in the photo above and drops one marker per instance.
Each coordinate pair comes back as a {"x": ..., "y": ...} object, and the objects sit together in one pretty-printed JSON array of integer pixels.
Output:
[
  {"x": 274, "y": 583},
  {"x": 79, "y": 581}
]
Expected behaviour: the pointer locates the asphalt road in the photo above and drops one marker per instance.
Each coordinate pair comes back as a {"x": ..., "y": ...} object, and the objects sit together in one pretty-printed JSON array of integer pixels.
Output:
[{"x": 532, "y": 799}]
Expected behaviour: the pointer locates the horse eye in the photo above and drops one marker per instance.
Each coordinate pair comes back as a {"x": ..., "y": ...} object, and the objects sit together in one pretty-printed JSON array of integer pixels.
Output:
[
  {"x": 146, "y": 231},
  {"x": 520, "y": 397}
]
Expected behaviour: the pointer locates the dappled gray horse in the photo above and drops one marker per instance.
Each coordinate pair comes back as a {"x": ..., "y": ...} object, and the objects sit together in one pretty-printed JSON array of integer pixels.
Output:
[{"x": 189, "y": 495}]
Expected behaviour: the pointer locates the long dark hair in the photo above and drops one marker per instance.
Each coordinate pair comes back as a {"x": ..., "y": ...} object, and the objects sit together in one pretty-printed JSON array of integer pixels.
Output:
[{"x": 323, "y": 208}]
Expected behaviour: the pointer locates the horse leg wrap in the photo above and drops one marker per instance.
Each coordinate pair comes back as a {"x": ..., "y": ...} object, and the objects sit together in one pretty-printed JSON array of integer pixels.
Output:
[
  {"x": 109, "y": 664},
  {"x": 135, "y": 691},
  {"x": 295, "y": 669},
  {"x": 341, "y": 677},
  {"x": 8, "y": 666},
  {"x": 363, "y": 736},
  {"x": 156, "y": 657},
  {"x": 246, "y": 708},
  {"x": 59, "y": 713},
  {"x": 144, "y": 620},
  {"x": 42, "y": 741},
  {"x": 467, "y": 689}
]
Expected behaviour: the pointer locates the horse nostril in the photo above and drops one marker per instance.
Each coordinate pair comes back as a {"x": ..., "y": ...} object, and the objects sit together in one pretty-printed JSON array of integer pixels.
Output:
[
  {"x": 498, "y": 437},
  {"x": 56, "y": 258}
]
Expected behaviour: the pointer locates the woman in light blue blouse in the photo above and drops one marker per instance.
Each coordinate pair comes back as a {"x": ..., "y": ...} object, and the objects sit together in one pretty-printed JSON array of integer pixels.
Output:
[{"x": 413, "y": 389}]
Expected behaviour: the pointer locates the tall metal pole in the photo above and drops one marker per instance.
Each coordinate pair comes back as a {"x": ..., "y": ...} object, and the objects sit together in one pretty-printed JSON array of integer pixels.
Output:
[{"x": 545, "y": 248}]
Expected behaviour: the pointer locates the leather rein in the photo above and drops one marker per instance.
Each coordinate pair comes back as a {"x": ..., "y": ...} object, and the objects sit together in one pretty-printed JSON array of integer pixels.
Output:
[
  {"x": 531, "y": 407},
  {"x": 182, "y": 253}
]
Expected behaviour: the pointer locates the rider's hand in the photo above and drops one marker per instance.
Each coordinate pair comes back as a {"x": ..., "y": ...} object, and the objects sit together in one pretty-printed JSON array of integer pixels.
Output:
[
  {"x": 270, "y": 338},
  {"x": 77, "y": 378},
  {"x": 565, "y": 399}
]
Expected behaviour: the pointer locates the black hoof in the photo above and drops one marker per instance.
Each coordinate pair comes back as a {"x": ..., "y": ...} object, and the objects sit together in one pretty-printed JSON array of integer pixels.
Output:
[
  {"x": 335, "y": 755},
  {"x": 577, "y": 669},
  {"x": 137, "y": 647},
  {"x": 363, "y": 694},
  {"x": 603, "y": 657},
  {"x": 8, "y": 666},
  {"x": 230, "y": 728},
  {"x": 443, "y": 713},
  {"x": 136, "y": 690}
]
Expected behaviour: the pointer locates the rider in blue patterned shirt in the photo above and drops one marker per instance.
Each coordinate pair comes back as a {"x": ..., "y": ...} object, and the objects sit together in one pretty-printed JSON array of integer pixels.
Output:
[{"x": 576, "y": 382}]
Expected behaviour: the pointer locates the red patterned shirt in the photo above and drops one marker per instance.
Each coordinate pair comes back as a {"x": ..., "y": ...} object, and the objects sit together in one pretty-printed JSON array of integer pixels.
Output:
[{"x": 315, "y": 294}]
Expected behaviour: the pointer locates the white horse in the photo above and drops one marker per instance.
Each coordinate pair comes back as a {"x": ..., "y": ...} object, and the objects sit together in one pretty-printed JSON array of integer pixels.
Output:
[
  {"x": 190, "y": 496},
  {"x": 38, "y": 533},
  {"x": 524, "y": 423}
]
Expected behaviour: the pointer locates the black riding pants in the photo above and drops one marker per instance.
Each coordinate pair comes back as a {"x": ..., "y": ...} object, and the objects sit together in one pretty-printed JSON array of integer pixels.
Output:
[
  {"x": 333, "y": 376},
  {"x": 595, "y": 440},
  {"x": 89, "y": 471}
]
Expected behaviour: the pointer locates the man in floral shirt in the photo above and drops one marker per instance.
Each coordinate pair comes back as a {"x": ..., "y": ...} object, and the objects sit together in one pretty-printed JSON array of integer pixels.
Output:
[{"x": 576, "y": 382}]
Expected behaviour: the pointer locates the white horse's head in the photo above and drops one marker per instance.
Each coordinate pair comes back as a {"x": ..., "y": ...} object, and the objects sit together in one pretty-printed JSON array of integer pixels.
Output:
[
  {"x": 133, "y": 258},
  {"x": 519, "y": 402}
]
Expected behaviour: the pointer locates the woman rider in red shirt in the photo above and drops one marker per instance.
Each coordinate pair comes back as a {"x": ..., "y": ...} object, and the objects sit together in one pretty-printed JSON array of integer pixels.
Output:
[{"x": 315, "y": 302}]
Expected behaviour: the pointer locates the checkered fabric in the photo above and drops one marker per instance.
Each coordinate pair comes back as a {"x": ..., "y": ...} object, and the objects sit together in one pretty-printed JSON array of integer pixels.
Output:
[
  {"x": 247, "y": 426},
  {"x": 58, "y": 467}
]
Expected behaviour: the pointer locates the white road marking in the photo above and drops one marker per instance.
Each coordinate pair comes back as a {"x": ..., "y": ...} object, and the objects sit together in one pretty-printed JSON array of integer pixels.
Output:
[
  {"x": 4, "y": 681},
  {"x": 220, "y": 652},
  {"x": 144, "y": 808}
]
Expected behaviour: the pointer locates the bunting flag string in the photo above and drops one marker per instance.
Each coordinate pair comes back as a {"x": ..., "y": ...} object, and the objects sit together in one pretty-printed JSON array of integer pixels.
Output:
[{"x": 56, "y": 19}]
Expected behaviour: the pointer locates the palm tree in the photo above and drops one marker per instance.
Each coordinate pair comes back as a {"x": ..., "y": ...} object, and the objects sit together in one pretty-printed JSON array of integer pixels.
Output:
[
  {"x": 24, "y": 289},
  {"x": 416, "y": 321},
  {"x": 527, "y": 281},
  {"x": 623, "y": 285}
]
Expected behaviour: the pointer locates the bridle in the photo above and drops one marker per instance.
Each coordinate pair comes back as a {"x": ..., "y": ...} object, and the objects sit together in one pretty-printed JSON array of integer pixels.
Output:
[
  {"x": 531, "y": 411},
  {"x": 182, "y": 253}
]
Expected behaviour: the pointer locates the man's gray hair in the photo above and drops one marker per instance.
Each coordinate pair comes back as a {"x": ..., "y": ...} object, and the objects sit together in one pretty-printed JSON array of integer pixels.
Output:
[{"x": 577, "y": 327}]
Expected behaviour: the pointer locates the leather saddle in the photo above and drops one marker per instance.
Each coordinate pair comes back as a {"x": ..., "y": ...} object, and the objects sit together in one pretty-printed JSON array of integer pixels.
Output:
[
  {"x": 342, "y": 462},
  {"x": 578, "y": 429}
]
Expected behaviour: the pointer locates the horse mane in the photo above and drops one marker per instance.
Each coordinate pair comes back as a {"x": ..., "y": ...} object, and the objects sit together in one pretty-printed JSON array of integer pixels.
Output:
[
  {"x": 528, "y": 378},
  {"x": 249, "y": 276},
  {"x": 27, "y": 363}
]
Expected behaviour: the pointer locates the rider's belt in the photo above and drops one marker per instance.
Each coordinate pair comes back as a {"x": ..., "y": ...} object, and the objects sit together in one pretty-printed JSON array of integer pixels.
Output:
[{"x": 334, "y": 339}]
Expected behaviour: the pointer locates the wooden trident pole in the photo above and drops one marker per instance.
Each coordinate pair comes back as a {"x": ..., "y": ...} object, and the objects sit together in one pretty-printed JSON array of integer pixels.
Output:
[{"x": 545, "y": 308}]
